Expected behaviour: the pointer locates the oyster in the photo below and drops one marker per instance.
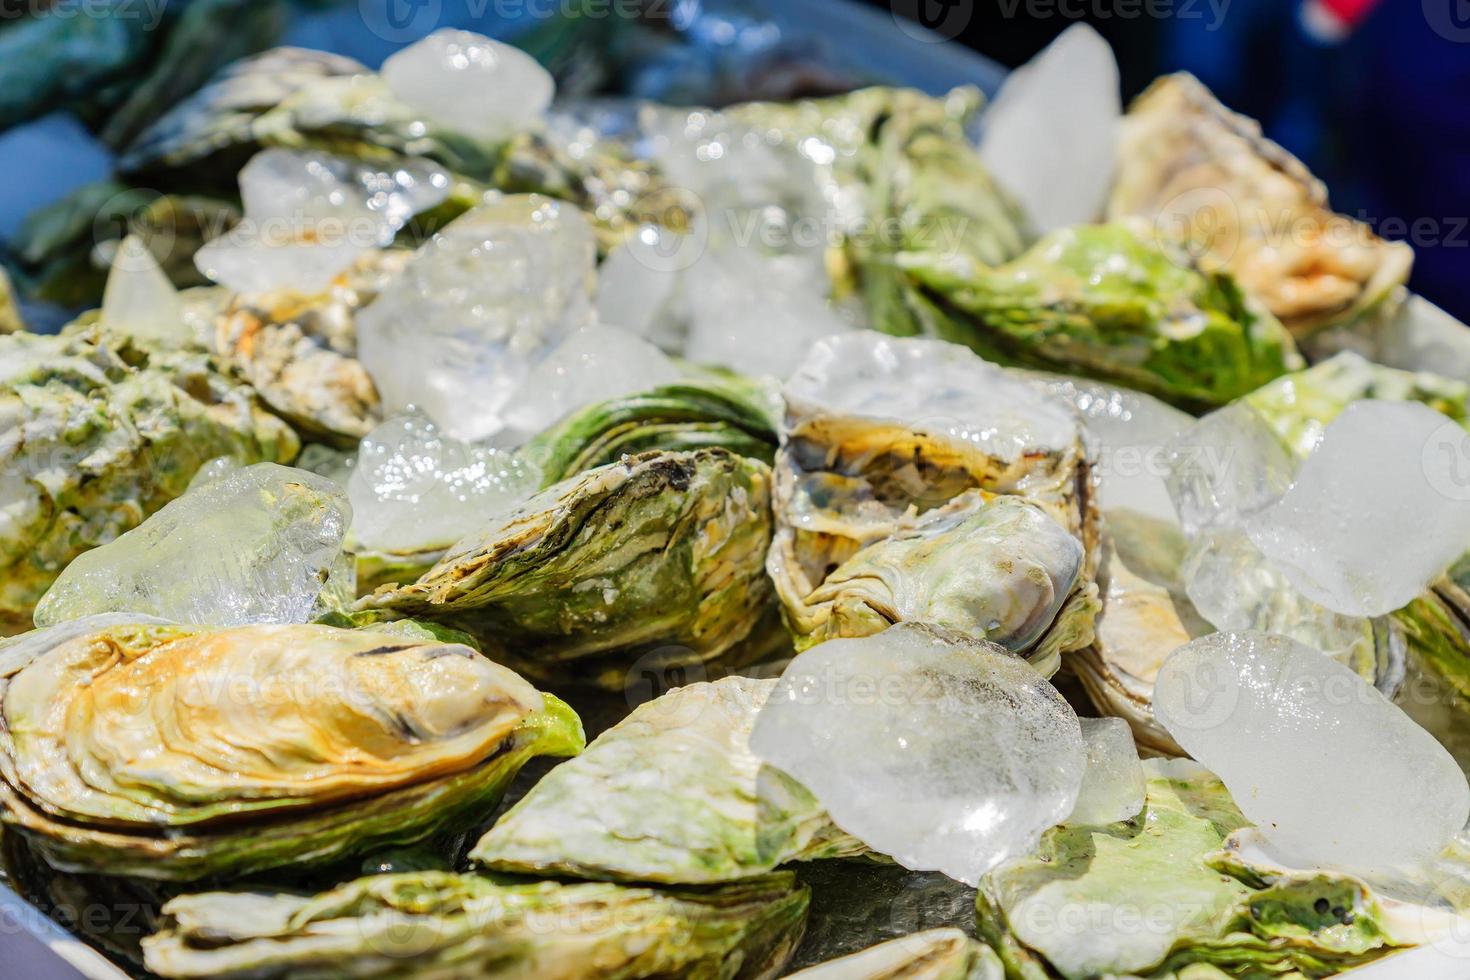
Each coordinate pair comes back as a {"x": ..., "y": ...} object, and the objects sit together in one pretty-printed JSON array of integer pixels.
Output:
[
  {"x": 300, "y": 352},
  {"x": 212, "y": 132},
  {"x": 62, "y": 251},
  {"x": 883, "y": 433},
  {"x": 122, "y": 64},
  {"x": 138, "y": 749},
  {"x": 904, "y": 158},
  {"x": 1102, "y": 302},
  {"x": 438, "y": 924},
  {"x": 1198, "y": 172},
  {"x": 999, "y": 569},
  {"x": 1200, "y": 904},
  {"x": 313, "y": 100},
  {"x": 99, "y": 434},
  {"x": 671, "y": 794},
  {"x": 734, "y": 413},
  {"x": 659, "y": 554},
  {"x": 939, "y": 954}
]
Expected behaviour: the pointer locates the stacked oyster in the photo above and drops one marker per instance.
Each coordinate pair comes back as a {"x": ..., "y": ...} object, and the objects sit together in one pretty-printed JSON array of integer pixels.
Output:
[{"x": 829, "y": 541}]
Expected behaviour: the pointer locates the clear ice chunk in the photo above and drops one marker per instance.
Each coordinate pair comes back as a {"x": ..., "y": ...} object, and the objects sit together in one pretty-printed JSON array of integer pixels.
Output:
[
  {"x": 1050, "y": 135},
  {"x": 415, "y": 489},
  {"x": 471, "y": 83},
  {"x": 1129, "y": 431},
  {"x": 1329, "y": 770},
  {"x": 941, "y": 388},
  {"x": 1235, "y": 587},
  {"x": 480, "y": 304},
  {"x": 1378, "y": 511},
  {"x": 1226, "y": 466},
  {"x": 215, "y": 469},
  {"x": 1113, "y": 785},
  {"x": 139, "y": 300},
  {"x": 310, "y": 215},
  {"x": 640, "y": 292},
  {"x": 594, "y": 364},
  {"x": 260, "y": 545},
  {"x": 942, "y": 752},
  {"x": 755, "y": 312}
]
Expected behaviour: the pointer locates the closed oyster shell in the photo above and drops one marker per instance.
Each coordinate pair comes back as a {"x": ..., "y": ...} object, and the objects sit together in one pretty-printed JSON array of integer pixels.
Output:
[
  {"x": 1196, "y": 171},
  {"x": 96, "y": 434},
  {"x": 655, "y": 559},
  {"x": 437, "y": 924},
  {"x": 671, "y": 794},
  {"x": 1071, "y": 908},
  {"x": 729, "y": 412},
  {"x": 174, "y": 753}
]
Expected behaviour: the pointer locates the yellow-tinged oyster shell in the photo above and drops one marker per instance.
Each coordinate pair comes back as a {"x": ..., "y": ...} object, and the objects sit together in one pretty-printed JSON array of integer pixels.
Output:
[{"x": 176, "y": 753}]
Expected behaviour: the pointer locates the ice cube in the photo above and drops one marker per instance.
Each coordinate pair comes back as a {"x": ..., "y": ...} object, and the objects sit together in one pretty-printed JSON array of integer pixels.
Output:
[
  {"x": 139, "y": 300},
  {"x": 1327, "y": 768},
  {"x": 1419, "y": 336},
  {"x": 756, "y": 312},
  {"x": 1113, "y": 785},
  {"x": 640, "y": 284},
  {"x": 594, "y": 364},
  {"x": 750, "y": 176},
  {"x": 480, "y": 304},
  {"x": 1376, "y": 513},
  {"x": 1226, "y": 466},
  {"x": 1050, "y": 135},
  {"x": 1235, "y": 587},
  {"x": 215, "y": 469},
  {"x": 415, "y": 489},
  {"x": 942, "y": 752},
  {"x": 310, "y": 215},
  {"x": 471, "y": 83},
  {"x": 1129, "y": 432},
  {"x": 941, "y": 388},
  {"x": 260, "y": 545}
]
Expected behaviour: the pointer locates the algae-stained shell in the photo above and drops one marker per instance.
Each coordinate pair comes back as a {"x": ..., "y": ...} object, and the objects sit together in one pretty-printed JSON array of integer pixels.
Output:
[
  {"x": 671, "y": 794},
  {"x": 175, "y": 753},
  {"x": 213, "y": 130},
  {"x": 1214, "y": 915},
  {"x": 1195, "y": 170},
  {"x": 1000, "y": 569},
  {"x": 659, "y": 555},
  {"x": 439, "y": 925},
  {"x": 96, "y": 434},
  {"x": 727, "y": 412}
]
